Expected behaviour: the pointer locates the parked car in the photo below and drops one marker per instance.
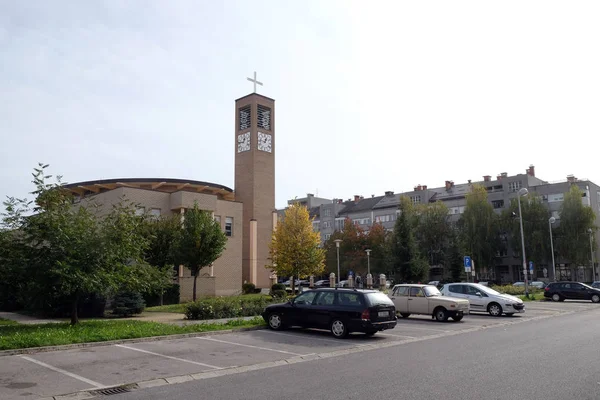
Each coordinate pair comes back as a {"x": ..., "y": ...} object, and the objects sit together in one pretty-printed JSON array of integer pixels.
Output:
[
  {"x": 560, "y": 291},
  {"x": 342, "y": 311},
  {"x": 596, "y": 284},
  {"x": 484, "y": 299},
  {"x": 322, "y": 283},
  {"x": 427, "y": 300},
  {"x": 538, "y": 284}
]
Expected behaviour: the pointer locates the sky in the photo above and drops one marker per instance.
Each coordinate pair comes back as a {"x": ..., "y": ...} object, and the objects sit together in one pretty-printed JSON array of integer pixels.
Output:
[{"x": 370, "y": 96}]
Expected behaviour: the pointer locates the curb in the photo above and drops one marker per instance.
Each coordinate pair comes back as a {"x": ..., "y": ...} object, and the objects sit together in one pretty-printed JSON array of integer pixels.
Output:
[{"x": 44, "y": 349}]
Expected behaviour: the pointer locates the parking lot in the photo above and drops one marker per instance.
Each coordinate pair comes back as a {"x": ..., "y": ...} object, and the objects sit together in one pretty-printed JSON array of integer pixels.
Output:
[{"x": 47, "y": 374}]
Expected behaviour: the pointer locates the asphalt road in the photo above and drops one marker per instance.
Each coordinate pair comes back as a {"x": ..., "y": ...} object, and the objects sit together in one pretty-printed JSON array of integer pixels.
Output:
[{"x": 553, "y": 358}]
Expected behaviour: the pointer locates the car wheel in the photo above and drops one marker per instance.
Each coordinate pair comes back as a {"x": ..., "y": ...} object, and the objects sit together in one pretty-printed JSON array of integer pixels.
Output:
[
  {"x": 440, "y": 314},
  {"x": 510, "y": 314},
  {"x": 275, "y": 321},
  {"x": 339, "y": 329},
  {"x": 556, "y": 297},
  {"x": 495, "y": 310},
  {"x": 595, "y": 298},
  {"x": 405, "y": 315},
  {"x": 457, "y": 318}
]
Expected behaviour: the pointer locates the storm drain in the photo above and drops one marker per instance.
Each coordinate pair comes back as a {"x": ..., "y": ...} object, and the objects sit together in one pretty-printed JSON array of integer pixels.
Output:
[{"x": 113, "y": 390}]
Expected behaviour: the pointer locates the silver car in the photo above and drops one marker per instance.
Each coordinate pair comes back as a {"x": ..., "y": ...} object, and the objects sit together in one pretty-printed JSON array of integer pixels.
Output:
[{"x": 484, "y": 299}]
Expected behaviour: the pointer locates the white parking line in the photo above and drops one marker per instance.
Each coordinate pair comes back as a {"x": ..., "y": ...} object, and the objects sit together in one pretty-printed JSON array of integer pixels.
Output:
[
  {"x": 169, "y": 357},
  {"x": 251, "y": 346},
  {"x": 62, "y": 371},
  {"x": 411, "y": 326},
  {"x": 393, "y": 334},
  {"x": 311, "y": 338}
]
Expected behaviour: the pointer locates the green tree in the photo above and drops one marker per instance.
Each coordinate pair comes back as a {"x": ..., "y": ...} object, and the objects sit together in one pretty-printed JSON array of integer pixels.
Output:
[
  {"x": 432, "y": 231},
  {"x": 200, "y": 242},
  {"x": 70, "y": 251},
  {"x": 572, "y": 233},
  {"x": 535, "y": 227},
  {"x": 408, "y": 264},
  {"x": 295, "y": 247},
  {"x": 479, "y": 226}
]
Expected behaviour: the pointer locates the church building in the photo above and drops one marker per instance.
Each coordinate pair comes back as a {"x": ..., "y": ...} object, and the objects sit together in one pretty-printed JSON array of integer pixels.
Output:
[{"x": 247, "y": 214}]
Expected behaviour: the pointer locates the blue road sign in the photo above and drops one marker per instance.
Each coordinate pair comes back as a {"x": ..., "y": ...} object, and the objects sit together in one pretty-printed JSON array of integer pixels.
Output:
[
  {"x": 468, "y": 264},
  {"x": 531, "y": 266}
]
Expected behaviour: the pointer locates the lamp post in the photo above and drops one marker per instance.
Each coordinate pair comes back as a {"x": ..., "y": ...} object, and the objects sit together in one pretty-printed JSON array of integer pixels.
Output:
[
  {"x": 337, "y": 246},
  {"x": 368, "y": 251},
  {"x": 592, "y": 254},
  {"x": 550, "y": 222},
  {"x": 523, "y": 192}
]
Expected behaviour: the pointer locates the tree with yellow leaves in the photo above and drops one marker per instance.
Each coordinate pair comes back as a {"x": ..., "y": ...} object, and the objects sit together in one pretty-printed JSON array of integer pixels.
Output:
[{"x": 294, "y": 249}]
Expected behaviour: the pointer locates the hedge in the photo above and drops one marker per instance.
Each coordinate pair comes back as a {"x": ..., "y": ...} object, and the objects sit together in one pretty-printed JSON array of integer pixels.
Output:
[
  {"x": 226, "y": 307},
  {"x": 515, "y": 290}
]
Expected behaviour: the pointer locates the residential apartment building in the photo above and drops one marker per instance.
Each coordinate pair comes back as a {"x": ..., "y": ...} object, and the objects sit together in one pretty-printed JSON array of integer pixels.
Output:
[{"x": 329, "y": 216}]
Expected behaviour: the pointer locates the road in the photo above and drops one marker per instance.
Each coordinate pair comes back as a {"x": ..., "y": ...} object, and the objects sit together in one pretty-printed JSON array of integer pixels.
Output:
[{"x": 552, "y": 358}]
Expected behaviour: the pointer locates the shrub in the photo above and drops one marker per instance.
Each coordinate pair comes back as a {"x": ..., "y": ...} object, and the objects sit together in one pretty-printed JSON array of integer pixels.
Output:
[
  {"x": 170, "y": 296},
  {"x": 126, "y": 304},
  {"x": 277, "y": 286},
  {"x": 279, "y": 294},
  {"x": 248, "y": 288},
  {"x": 514, "y": 290},
  {"x": 226, "y": 307}
]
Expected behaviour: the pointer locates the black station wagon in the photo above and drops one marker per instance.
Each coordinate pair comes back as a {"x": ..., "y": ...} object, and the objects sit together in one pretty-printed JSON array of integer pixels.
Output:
[{"x": 340, "y": 310}]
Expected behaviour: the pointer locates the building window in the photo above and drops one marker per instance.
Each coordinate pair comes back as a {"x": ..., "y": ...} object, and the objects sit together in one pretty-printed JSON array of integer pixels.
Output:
[
  {"x": 514, "y": 186},
  {"x": 315, "y": 226},
  {"x": 218, "y": 219},
  {"x": 498, "y": 203},
  {"x": 327, "y": 213},
  {"x": 140, "y": 211},
  {"x": 155, "y": 212},
  {"x": 415, "y": 199},
  {"x": 327, "y": 236},
  {"x": 228, "y": 226},
  {"x": 339, "y": 224},
  {"x": 556, "y": 197},
  {"x": 362, "y": 221},
  {"x": 327, "y": 224}
]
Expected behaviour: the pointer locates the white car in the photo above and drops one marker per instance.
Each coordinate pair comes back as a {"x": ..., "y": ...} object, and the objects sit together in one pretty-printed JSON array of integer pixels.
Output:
[
  {"x": 427, "y": 300},
  {"x": 484, "y": 299}
]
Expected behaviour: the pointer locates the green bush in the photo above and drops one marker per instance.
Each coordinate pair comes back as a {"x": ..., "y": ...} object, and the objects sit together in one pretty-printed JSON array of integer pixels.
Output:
[
  {"x": 170, "y": 296},
  {"x": 248, "y": 288},
  {"x": 514, "y": 290},
  {"x": 126, "y": 304},
  {"x": 279, "y": 294},
  {"x": 277, "y": 286},
  {"x": 226, "y": 307}
]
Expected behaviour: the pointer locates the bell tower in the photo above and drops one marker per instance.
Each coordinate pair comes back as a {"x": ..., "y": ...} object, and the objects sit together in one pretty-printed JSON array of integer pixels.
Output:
[{"x": 255, "y": 181}]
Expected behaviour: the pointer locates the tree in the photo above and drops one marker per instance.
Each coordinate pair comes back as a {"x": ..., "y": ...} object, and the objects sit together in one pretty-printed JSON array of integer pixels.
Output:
[
  {"x": 199, "y": 243},
  {"x": 432, "y": 231},
  {"x": 70, "y": 251},
  {"x": 575, "y": 219},
  {"x": 535, "y": 227},
  {"x": 295, "y": 247},
  {"x": 408, "y": 264},
  {"x": 479, "y": 228}
]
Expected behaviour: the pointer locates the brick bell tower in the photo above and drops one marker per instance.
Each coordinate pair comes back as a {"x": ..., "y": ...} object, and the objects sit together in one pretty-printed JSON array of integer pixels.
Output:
[{"x": 255, "y": 181}]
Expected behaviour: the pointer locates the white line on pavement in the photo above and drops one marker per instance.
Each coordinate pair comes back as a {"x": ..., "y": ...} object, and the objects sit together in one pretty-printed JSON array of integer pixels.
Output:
[
  {"x": 62, "y": 371},
  {"x": 250, "y": 346},
  {"x": 412, "y": 326},
  {"x": 169, "y": 357},
  {"x": 312, "y": 338},
  {"x": 392, "y": 334}
]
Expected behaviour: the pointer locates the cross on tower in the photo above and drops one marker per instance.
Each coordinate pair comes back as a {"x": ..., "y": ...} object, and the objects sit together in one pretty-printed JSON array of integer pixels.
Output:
[{"x": 255, "y": 81}]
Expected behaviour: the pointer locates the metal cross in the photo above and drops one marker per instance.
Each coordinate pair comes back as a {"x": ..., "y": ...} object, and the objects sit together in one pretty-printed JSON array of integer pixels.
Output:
[{"x": 255, "y": 81}]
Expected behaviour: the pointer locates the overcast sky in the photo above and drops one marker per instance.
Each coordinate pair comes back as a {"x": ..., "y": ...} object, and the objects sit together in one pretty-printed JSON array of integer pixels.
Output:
[{"x": 370, "y": 96}]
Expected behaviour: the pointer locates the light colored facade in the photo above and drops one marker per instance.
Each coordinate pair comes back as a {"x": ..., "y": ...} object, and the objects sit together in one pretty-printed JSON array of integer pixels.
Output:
[{"x": 173, "y": 196}]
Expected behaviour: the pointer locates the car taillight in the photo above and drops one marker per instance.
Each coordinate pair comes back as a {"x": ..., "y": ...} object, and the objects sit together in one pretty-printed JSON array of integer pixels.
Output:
[
  {"x": 547, "y": 288},
  {"x": 365, "y": 315}
]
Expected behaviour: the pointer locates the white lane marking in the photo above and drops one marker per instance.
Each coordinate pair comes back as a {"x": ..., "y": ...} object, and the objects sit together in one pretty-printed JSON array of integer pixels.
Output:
[
  {"x": 392, "y": 334},
  {"x": 410, "y": 326},
  {"x": 62, "y": 371},
  {"x": 250, "y": 346},
  {"x": 312, "y": 338},
  {"x": 169, "y": 357}
]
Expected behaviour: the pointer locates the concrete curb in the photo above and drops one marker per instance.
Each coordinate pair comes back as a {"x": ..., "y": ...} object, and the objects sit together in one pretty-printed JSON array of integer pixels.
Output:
[
  {"x": 33, "y": 350},
  {"x": 87, "y": 394}
]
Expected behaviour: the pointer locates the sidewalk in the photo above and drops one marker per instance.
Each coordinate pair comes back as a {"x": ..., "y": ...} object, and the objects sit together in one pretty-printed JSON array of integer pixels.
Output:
[{"x": 26, "y": 319}]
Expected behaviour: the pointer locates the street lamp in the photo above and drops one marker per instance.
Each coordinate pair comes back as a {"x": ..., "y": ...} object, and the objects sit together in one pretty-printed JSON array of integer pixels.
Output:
[
  {"x": 368, "y": 251},
  {"x": 592, "y": 253},
  {"x": 523, "y": 192},
  {"x": 337, "y": 246},
  {"x": 550, "y": 222}
]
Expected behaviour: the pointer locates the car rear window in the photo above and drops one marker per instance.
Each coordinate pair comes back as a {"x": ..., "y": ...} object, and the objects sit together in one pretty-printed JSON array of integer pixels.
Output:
[{"x": 378, "y": 299}]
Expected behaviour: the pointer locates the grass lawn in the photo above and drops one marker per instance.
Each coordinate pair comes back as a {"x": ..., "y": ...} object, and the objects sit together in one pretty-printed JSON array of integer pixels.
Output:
[
  {"x": 17, "y": 336},
  {"x": 5, "y": 322},
  {"x": 180, "y": 308}
]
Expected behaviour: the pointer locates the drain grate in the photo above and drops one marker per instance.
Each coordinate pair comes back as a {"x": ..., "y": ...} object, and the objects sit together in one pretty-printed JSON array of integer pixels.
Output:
[{"x": 113, "y": 390}]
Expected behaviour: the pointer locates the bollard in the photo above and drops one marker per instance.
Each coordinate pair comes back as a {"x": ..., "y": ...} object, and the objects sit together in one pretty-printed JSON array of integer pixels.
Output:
[
  {"x": 332, "y": 280},
  {"x": 311, "y": 282},
  {"x": 382, "y": 282},
  {"x": 273, "y": 278},
  {"x": 369, "y": 281},
  {"x": 350, "y": 281}
]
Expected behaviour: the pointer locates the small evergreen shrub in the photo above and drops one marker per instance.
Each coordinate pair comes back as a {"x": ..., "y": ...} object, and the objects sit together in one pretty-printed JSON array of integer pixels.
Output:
[
  {"x": 279, "y": 294},
  {"x": 126, "y": 304},
  {"x": 248, "y": 288}
]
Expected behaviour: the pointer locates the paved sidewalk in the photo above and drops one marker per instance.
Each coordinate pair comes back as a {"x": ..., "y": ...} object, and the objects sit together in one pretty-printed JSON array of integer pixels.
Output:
[{"x": 26, "y": 319}]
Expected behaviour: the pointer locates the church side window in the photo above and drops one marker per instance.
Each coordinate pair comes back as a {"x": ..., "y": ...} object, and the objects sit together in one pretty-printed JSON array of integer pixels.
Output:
[{"x": 228, "y": 226}]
